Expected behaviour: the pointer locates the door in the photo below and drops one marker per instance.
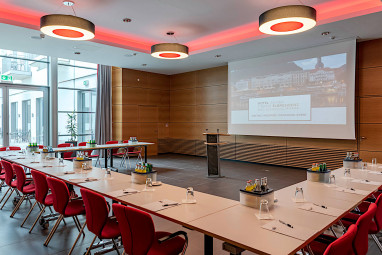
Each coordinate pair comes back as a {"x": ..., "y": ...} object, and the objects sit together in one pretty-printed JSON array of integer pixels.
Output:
[{"x": 27, "y": 114}]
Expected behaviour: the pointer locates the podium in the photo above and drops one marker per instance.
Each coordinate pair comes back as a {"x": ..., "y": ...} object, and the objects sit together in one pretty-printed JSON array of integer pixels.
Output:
[{"x": 213, "y": 153}]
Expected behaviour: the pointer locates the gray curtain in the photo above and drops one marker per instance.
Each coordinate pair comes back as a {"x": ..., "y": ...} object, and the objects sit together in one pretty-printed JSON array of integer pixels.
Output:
[{"x": 103, "y": 124}]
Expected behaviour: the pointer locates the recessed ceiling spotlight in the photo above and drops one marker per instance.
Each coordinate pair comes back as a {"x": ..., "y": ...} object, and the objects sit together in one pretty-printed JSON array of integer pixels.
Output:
[
  {"x": 218, "y": 56},
  {"x": 77, "y": 52},
  {"x": 127, "y": 20},
  {"x": 333, "y": 37},
  {"x": 144, "y": 64},
  {"x": 130, "y": 55},
  {"x": 68, "y": 3},
  {"x": 289, "y": 19},
  {"x": 325, "y": 33},
  {"x": 39, "y": 37},
  {"x": 170, "y": 33}
]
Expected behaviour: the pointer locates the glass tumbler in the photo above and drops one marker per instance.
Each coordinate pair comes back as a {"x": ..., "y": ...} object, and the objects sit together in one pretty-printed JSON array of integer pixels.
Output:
[
  {"x": 190, "y": 194},
  {"x": 264, "y": 210},
  {"x": 299, "y": 195},
  {"x": 332, "y": 179},
  {"x": 374, "y": 163}
]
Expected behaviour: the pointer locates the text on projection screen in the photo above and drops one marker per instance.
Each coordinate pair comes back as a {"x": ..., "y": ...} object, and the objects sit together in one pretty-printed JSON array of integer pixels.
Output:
[{"x": 304, "y": 93}]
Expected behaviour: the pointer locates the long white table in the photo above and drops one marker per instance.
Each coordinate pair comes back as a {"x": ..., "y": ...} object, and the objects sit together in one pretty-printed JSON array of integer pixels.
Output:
[
  {"x": 218, "y": 217},
  {"x": 105, "y": 147}
]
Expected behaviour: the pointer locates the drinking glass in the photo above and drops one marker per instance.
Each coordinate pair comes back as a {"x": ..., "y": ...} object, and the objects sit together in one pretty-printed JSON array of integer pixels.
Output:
[
  {"x": 264, "y": 210},
  {"x": 332, "y": 179},
  {"x": 374, "y": 163},
  {"x": 60, "y": 161},
  {"x": 347, "y": 177},
  {"x": 149, "y": 185},
  {"x": 364, "y": 165},
  {"x": 299, "y": 195},
  {"x": 190, "y": 194}
]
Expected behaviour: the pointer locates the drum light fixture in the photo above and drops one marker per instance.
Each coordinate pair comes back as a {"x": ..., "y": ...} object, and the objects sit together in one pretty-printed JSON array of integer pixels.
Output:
[
  {"x": 169, "y": 51},
  {"x": 289, "y": 19}
]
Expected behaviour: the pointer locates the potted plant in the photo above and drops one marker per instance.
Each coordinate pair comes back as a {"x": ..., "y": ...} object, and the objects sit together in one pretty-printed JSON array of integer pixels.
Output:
[{"x": 71, "y": 127}]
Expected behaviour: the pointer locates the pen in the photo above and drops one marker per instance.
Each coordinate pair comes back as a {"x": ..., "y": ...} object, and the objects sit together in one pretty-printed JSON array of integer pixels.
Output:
[
  {"x": 323, "y": 206},
  {"x": 286, "y": 224}
]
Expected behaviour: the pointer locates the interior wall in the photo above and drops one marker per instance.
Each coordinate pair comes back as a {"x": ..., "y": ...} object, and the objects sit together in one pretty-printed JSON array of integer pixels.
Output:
[
  {"x": 141, "y": 103},
  {"x": 174, "y": 111}
]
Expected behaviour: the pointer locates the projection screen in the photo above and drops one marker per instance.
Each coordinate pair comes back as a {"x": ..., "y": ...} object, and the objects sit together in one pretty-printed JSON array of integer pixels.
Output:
[{"x": 303, "y": 93}]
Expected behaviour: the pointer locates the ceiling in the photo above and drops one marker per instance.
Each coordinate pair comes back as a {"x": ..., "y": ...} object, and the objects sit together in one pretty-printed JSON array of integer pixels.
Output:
[{"x": 209, "y": 27}]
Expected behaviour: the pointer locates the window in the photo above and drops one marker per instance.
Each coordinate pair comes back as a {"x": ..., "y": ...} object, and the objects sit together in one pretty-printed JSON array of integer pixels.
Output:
[
  {"x": 77, "y": 86},
  {"x": 23, "y": 68}
]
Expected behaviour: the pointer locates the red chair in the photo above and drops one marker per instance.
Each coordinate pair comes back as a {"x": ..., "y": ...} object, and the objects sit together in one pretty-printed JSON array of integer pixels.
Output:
[
  {"x": 139, "y": 236},
  {"x": 66, "y": 155},
  {"x": 2, "y": 175},
  {"x": 342, "y": 245},
  {"x": 375, "y": 225},
  {"x": 12, "y": 184},
  {"x": 26, "y": 188},
  {"x": 41, "y": 147},
  {"x": 114, "y": 152},
  {"x": 3, "y": 148},
  {"x": 131, "y": 151},
  {"x": 41, "y": 195},
  {"x": 63, "y": 205},
  {"x": 98, "y": 220},
  {"x": 89, "y": 153},
  {"x": 14, "y": 148}
]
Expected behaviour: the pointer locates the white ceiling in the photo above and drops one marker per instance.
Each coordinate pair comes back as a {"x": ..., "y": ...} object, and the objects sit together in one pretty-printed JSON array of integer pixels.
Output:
[{"x": 194, "y": 12}]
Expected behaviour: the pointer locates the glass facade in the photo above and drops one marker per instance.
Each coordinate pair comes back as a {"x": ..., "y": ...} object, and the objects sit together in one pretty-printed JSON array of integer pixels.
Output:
[{"x": 77, "y": 87}]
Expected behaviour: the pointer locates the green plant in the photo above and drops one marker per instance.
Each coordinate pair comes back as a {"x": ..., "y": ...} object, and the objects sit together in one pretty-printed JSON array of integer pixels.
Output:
[{"x": 71, "y": 126}]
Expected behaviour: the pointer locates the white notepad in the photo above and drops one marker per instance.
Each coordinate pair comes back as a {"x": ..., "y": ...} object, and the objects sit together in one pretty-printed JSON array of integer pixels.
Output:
[
  {"x": 123, "y": 192},
  {"x": 297, "y": 231},
  {"x": 160, "y": 205},
  {"x": 83, "y": 180},
  {"x": 367, "y": 182},
  {"x": 318, "y": 209},
  {"x": 354, "y": 191}
]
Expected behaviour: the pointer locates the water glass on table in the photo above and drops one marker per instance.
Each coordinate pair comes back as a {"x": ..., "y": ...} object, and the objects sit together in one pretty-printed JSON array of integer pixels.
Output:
[
  {"x": 264, "y": 213},
  {"x": 299, "y": 195},
  {"x": 374, "y": 163}
]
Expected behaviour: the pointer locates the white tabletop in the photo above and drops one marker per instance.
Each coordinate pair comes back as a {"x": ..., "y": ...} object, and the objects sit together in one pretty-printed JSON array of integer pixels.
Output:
[{"x": 100, "y": 146}]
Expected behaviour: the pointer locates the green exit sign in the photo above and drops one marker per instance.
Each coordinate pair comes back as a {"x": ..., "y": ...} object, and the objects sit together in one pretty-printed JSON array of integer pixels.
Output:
[{"x": 6, "y": 77}]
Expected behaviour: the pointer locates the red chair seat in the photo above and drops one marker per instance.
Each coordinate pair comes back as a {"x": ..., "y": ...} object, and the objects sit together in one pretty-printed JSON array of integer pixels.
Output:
[
  {"x": 373, "y": 229},
  {"x": 70, "y": 158},
  {"x": 119, "y": 154},
  {"x": 93, "y": 156},
  {"x": 110, "y": 230},
  {"x": 318, "y": 248},
  {"x": 29, "y": 189},
  {"x": 48, "y": 200},
  {"x": 134, "y": 152},
  {"x": 74, "y": 207},
  {"x": 2, "y": 177},
  {"x": 14, "y": 184},
  {"x": 170, "y": 247}
]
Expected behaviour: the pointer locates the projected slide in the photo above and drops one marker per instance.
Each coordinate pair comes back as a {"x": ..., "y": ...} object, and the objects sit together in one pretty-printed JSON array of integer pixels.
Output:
[{"x": 306, "y": 93}]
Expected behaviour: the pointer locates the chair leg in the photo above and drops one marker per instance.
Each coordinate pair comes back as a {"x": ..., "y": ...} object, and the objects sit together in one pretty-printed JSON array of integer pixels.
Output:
[
  {"x": 22, "y": 224},
  {"x": 90, "y": 247},
  {"x": 53, "y": 230},
  {"x": 376, "y": 240},
  {"x": 78, "y": 237},
  {"x": 115, "y": 246},
  {"x": 7, "y": 199},
  {"x": 5, "y": 194},
  {"x": 18, "y": 206},
  {"x": 75, "y": 222},
  {"x": 38, "y": 217},
  {"x": 79, "y": 224}
]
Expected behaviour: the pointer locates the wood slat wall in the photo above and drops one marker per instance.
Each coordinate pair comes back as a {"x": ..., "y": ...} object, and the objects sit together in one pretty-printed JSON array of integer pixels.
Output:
[{"x": 141, "y": 103}]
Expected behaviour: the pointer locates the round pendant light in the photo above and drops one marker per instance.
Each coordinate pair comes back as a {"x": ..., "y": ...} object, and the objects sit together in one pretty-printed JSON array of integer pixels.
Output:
[
  {"x": 67, "y": 27},
  {"x": 289, "y": 19},
  {"x": 169, "y": 51}
]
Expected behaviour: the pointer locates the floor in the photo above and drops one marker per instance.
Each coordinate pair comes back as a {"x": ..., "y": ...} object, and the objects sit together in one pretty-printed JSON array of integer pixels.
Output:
[{"x": 179, "y": 170}]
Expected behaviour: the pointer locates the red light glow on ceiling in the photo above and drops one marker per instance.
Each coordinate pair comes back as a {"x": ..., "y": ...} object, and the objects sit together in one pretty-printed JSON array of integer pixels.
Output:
[
  {"x": 68, "y": 33},
  {"x": 327, "y": 12},
  {"x": 287, "y": 26}
]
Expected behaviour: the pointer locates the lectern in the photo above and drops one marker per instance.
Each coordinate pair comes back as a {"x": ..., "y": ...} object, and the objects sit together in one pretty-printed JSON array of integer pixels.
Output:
[{"x": 213, "y": 153}]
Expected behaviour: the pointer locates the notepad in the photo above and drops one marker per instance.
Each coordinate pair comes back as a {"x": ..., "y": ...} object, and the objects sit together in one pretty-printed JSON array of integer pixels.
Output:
[
  {"x": 318, "y": 209},
  {"x": 367, "y": 182},
  {"x": 297, "y": 231},
  {"x": 123, "y": 192},
  {"x": 160, "y": 205},
  {"x": 354, "y": 191},
  {"x": 83, "y": 180}
]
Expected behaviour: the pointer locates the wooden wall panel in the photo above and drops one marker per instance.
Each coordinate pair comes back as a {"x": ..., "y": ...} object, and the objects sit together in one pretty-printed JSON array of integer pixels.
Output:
[
  {"x": 164, "y": 114},
  {"x": 186, "y": 131},
  {"x": 158, "y": 81},
  {"x": 125, "y": 113},
  {"x": 373, "y": 137},
  {"x": 183, "y": 114},
  {"x": 148, "y": 114},
  {"x": 212, "y": 95},
  {"x": 370, "y": 81},
  {"x": 134, "y": 78},
  {"x": 158, "y": 97},
  {"x": 369, "y": 53},
  {"x": 371, "y": 110},
  {"x": 212, "y": 76},
  {"x": 211, "y": 113},
  {"x": 183, "y": 97},
  {"x": 183, "y": 81}
]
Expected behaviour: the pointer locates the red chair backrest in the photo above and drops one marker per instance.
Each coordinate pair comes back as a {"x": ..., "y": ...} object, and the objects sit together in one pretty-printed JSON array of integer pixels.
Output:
[
  {"x": 9, "y": 174},
  {"x": 41, "y": 146},
  {"x": 60, "y": 194},
  {"x": 14, "y": 148},
  {"x": 41, "y": 186},
  {"x": 66, "y": 154},
  {"x": 129, "y": 149},
  {"x": 96, "y": 209},
  {"x": 2, "y": 171},
  {"x": 88, "y": 151},
  {"x": 20, "y": 176},
  {"x": 137, "y": 229},
  {"x": 3, "y": 148},
  {"x": 378, "y": 214},
  {"x": 343, "y": 245},
  {"x": 361, "y": 241},
  {"x": 113, "y": 142}
]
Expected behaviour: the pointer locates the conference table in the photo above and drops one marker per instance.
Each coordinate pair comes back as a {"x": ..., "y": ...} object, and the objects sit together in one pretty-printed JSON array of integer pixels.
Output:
[
  {"x": 221, "y": 218},
  {"x": 105, "y": 147}
]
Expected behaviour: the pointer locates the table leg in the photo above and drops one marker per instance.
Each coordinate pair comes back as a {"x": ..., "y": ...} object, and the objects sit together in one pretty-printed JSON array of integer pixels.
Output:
[
  {"x": 146, "y": 154},
  {"x": 111, "y": 157},
  {"x": 105, "y": 158},
  {"x": 208, "y": 245}
]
